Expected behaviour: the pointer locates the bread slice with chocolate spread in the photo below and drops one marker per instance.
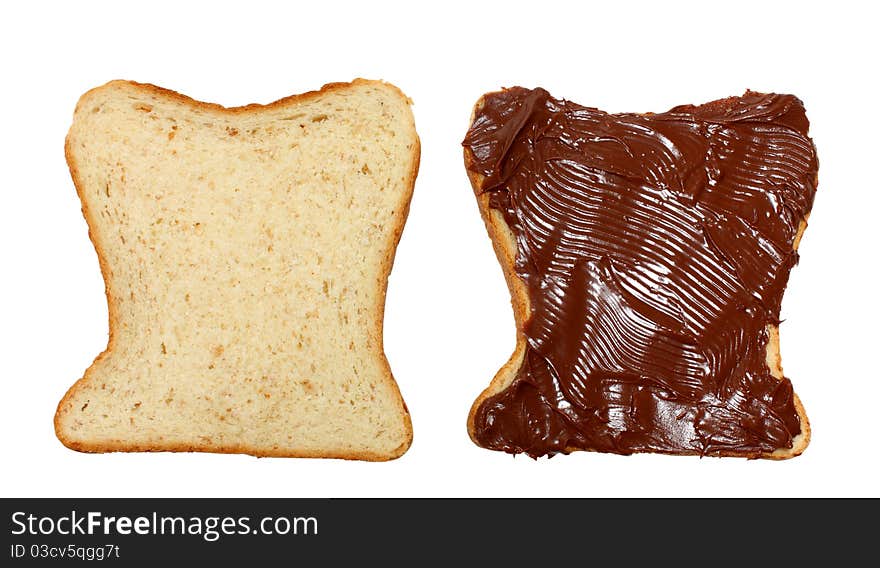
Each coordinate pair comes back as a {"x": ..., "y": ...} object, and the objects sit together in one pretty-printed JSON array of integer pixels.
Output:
[{"x": 646, "y": 256}]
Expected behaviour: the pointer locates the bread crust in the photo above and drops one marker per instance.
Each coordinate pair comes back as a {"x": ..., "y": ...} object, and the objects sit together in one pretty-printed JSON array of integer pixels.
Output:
[
  {"x": 113, "y": 311},
  {"x": 504, "y": 244}
]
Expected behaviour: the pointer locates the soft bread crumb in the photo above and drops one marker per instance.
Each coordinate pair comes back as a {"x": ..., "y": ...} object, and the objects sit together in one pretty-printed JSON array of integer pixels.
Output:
[{"x": 245, "y": 254}]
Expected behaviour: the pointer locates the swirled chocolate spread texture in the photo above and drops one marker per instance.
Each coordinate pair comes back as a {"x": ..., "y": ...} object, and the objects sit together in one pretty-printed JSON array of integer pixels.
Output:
[{"x": 655, "y": 250}]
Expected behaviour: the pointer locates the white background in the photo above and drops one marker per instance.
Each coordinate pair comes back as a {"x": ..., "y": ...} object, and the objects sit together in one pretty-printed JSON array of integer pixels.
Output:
[{"x": 449, "y": 324}]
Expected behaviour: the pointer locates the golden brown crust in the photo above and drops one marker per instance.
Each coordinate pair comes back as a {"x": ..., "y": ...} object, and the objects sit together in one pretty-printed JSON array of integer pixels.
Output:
[
  {"x": 112, "y": 309},
  {"x": 244, "y": 109},
  {"x": 505, "y": 249},
  {"x": 402, "y": 214},
  {"x": 774, "y": 363}
]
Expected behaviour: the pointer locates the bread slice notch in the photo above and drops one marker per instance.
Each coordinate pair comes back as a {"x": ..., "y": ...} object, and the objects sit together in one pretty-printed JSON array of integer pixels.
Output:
[
  {"x": 504, "y": 242},
  {"x": 245, "y": 254}
]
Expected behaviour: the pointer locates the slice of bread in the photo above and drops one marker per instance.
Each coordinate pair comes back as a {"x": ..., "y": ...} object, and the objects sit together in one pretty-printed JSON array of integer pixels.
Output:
[
  {"x": 245, "y": 253},
  {"x": 504, "y": 241}
]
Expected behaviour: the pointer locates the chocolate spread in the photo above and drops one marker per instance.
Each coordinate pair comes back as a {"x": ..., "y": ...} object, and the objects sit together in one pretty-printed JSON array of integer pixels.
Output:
[{"x": 655, "y": 250}]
